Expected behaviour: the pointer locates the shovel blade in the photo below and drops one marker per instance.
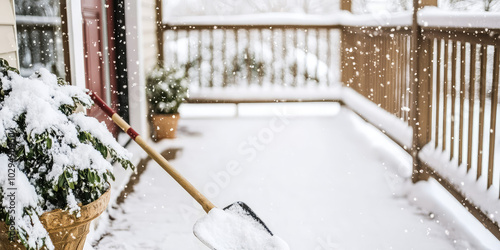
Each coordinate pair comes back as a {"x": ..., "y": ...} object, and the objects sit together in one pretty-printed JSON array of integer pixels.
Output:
[
  {"x": 234, "y": 227},
  {"x": 244, "y": 209}
]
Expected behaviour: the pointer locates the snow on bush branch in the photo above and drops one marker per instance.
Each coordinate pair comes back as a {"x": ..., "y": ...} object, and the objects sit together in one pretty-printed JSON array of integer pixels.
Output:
[{"x": 60, "y": 158}]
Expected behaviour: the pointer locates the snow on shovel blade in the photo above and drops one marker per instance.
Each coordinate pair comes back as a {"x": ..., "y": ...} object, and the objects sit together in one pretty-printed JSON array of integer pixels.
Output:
[
  {"x": 234, "y": 228},
  {"x": 242, "y": 208}
]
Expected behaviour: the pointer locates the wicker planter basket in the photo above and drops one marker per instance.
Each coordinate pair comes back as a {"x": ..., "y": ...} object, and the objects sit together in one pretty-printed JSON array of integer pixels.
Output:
[
  {"x": 164, "y": 126},
  {"x": 66, "y": 231}
]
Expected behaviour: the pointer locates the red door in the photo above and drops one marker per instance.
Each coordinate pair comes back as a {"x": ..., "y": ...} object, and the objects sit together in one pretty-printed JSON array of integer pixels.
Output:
[{"x": 99, "y": 61}]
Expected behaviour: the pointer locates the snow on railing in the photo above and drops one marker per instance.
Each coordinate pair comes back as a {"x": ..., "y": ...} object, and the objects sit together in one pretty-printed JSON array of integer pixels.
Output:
[
  {"x": 434, "y": 17},
  {"x": 427, "y": 17},
  {"x": 265, "y": 19},
  {"x": 341, "y": 18}
]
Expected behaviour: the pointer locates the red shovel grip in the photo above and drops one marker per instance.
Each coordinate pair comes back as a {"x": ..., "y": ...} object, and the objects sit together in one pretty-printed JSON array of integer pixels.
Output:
[
  {"x": 110, "y": 112},
  {"x": 97, "y": 100}
]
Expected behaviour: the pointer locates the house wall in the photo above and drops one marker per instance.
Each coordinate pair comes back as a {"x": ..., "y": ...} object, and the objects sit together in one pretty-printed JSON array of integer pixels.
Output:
[
  {"x": 8, "y": 43},
  {"x": 75, "y": 36},
  {"x": 148, "y": 32}
]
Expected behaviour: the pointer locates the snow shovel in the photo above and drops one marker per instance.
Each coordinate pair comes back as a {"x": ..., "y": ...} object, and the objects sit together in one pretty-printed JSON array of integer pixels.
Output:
[{"x": 238, "y": 207}]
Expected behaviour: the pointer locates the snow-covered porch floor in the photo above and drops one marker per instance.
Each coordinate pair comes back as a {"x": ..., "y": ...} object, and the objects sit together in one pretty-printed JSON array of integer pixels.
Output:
[{"x": 319, "y": 182}]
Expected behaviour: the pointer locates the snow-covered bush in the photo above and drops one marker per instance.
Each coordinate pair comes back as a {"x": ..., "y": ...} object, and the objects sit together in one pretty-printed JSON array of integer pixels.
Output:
[
  {"x": 51, "y": 156},
  {"x": 167, "y": 88}
]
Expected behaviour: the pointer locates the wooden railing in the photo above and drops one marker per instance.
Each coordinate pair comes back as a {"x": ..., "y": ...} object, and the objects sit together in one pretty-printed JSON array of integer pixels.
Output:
[
  {"x": 463, "y": 77},
  {"x": 449, "y": 97},
  {"x": 376, "y": 63},
  {"x": 440, "y": 83},
  {"x": 254, "y": 56}
]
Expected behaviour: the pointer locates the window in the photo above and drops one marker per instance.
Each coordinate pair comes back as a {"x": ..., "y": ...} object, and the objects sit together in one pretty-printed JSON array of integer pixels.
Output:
[{"x": 39, "y": 36}]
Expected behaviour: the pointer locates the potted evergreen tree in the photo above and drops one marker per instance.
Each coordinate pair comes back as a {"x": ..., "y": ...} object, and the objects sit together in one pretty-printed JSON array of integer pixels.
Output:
[
  {"x": 166, "y": 89},
  {"x": 54, "y": 163}
]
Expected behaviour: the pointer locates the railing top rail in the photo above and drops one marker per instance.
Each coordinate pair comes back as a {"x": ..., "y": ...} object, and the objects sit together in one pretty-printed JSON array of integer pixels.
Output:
[
  {"x": 265, "y": 19},
  {"x": 288, "y": 20},
  {"x": 428, "y": 17},
  {"x": 434, "y": 17},
  {"x": 246, "y": 26},
  {"x": 472, "y": 35}
]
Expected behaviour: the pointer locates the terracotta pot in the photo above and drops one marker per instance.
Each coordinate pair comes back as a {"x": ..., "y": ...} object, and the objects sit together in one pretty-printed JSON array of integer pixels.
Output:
[
  {"x": 65, "y": 230},
  {"x": 165, "y": 126}
]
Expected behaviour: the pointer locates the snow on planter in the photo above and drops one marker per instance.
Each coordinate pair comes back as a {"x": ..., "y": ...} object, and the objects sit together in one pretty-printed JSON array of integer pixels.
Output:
[
  {"x": 50, "y": 156},
  {"x": 233, "y": 230}
]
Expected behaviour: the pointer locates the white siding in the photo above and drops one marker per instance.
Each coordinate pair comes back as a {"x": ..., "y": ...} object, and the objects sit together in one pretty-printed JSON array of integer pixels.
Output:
[
  {"x": 8, "y": 43},
  {"x": 148, "y": 32}
]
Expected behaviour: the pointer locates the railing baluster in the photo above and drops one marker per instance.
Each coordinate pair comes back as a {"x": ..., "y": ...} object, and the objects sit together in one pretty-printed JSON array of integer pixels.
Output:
[
  {"x": 224, "y": 59},
  {"x": 382, "y": 84},
  {"x": 429, "y": 45},
  {"x": 329, "y": 55},
  {"x": 453, "y": 96},
  {"x": 397, "y": 74},
  {"x": 317, "y": 55},
  {"x": 200, "y": 45},
  {"x": 374, "y": 72},
  {"x": 445, "y": 92},
  {"x": 248, "y": 58},
  {"x": 370, "y": 68},
  {"x": 360, "y": 55},
  {"x": 407, "y": 78},
  {"x": 374, "y": 84},
  {"x": 401, "y": 76},
  {"x": 438, "y": 90},
  {"x": 462, "y": 101},
  {"x": 390, "y": 77},
  {"x": 211, "y": 47},
  {"x": 385, "y": 71},
  {"x": 273, "y": 58},
  {"x": 283, "y": 55},
  {"x": 188, "y": 39},
  {"x": 176, "y": 48},
  {"x": 236, "y": 54},
  {"x": 296, "y": 66},
  {"x": 482, "y": 96},
  {"x": 472, "y": 86},
  {"x": 261, "y": 70},
  {"x": 306, "y": 53},
  {"x": 381, "y": 73},
  {"x": 493, "y": 118}
]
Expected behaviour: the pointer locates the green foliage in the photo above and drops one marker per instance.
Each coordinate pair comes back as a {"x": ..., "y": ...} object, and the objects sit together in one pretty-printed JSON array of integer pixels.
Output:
[
  {"x": 33, "y": 156},
  {"x": 167, "y": 88}
]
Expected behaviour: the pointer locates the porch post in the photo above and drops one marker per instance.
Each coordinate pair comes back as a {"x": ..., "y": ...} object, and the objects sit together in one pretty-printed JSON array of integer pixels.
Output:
[
  {"x": 71, "y": 11},
  {"x": 421, "y": 87},
  {"x": 345, "y": 5},
  {"x": 136, "y": 79},
  {"x": 159, "y": 30}
]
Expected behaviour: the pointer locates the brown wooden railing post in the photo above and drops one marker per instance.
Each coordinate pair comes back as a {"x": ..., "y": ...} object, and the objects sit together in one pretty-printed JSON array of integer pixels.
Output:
[
  {"x": 346, "y": 5},
  {"x": 421, "y": 85},
  {"x": 345, "y": 75},
  {"x": 159, "y": 31}
]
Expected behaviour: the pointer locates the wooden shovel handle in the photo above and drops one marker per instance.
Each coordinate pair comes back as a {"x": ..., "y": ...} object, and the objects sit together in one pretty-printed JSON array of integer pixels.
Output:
[{"x": 200, "y": 198}]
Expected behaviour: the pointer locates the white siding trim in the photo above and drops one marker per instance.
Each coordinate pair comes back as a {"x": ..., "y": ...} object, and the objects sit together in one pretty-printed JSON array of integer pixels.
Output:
[
  {"x": 135, "y": 68},
  {"x": 75, "y": 35}
]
